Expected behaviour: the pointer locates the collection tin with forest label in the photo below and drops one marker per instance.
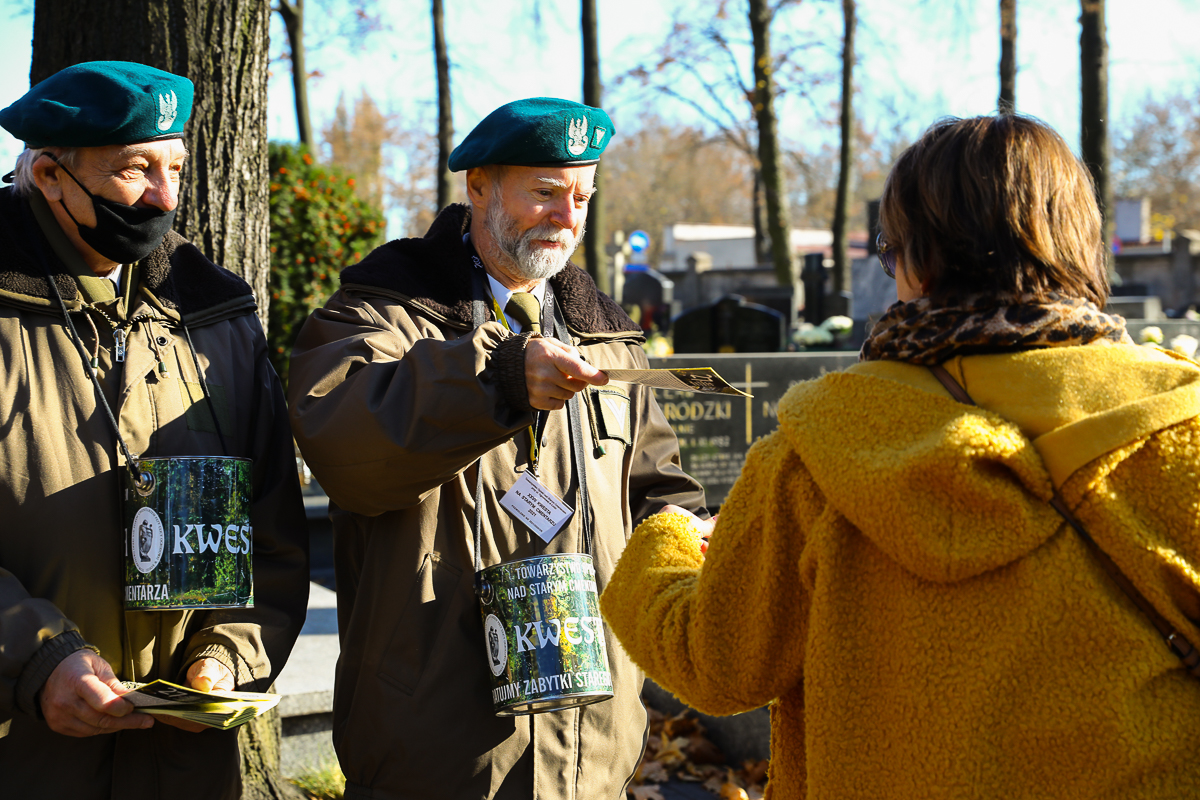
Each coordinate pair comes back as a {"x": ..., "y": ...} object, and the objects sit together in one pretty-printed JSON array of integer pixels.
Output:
[
  {"x": 188, "y": 540},
  {"x": 543, "y": 634}
]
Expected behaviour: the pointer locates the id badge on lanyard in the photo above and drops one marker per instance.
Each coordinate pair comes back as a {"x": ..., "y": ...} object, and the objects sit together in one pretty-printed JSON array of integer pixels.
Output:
[{"x": 529, "y": 501}]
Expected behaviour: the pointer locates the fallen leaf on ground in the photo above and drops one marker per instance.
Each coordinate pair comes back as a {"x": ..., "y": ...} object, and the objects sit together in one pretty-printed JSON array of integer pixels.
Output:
[
  {"x": 652, "y": 772},
  {"x": 755, "y": 771},
  {"x": 678, "y": 749},
  {"x": 731, "y": 791},
  {"x": 672, "y": 753},
  {"x": 703, "y": 751},
  {"x": 647, "y": 792}
]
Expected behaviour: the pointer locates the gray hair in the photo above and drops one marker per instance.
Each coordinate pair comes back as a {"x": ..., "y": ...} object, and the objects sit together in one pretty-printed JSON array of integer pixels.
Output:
[{"x": 23, "y": 183}]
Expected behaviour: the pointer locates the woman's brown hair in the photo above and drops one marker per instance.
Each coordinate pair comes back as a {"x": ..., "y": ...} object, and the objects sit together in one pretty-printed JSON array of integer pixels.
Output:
[{"x": 995, "y": 206}]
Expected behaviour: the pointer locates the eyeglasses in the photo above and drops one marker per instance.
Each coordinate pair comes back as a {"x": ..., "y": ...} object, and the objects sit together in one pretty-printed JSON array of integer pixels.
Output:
[{"x": 887, "y": 256}]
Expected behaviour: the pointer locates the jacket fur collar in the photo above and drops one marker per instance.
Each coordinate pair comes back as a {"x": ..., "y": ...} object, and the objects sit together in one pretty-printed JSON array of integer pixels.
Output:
[
  {"x": 176, "y": 273},
  {"x": 435, "y": 272}
]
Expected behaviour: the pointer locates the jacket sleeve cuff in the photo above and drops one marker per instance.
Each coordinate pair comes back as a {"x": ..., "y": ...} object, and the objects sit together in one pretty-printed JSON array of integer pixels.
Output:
[
  {"x": 37, "y": 670},
  {"x": 508, "y": 370}
]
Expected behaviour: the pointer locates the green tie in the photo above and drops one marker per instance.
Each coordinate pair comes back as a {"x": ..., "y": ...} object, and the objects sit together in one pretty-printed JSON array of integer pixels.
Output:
[{"x": 525, "y": 309}]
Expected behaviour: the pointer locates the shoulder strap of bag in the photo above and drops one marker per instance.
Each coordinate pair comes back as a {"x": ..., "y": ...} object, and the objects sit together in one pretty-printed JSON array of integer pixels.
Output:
[{"x": 1177, "y": 641}]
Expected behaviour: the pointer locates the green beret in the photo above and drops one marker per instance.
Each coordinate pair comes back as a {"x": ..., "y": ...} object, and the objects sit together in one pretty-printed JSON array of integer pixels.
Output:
[
  {"x": 537, "y": 132},
  {"x": 99, "y": 103}
]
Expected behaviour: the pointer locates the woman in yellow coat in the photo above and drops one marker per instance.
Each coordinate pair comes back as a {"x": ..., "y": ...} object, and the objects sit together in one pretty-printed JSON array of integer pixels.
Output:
[{"x": 888, "y": 572}]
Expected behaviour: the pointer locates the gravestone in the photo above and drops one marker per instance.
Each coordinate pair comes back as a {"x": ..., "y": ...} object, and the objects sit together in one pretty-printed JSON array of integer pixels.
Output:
[
  {"x": 730, "y": 325},
  {"x": 652, "y": 293},
  {"x": 1144, "y": 308},
  {"x": 715, "y": 431},
  {"x": 813, "y": 277}
]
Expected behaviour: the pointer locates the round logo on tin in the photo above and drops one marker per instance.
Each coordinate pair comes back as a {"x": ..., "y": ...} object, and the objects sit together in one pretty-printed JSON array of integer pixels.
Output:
[
  {"x": 146, "y": 539},
  {"x": 497, "y": 644}
]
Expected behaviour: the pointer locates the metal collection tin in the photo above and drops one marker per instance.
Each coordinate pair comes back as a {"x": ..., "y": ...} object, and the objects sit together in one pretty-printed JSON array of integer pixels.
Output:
[
  {"x": 188, "y": 540},
  {"x": 543, "y": 634}
]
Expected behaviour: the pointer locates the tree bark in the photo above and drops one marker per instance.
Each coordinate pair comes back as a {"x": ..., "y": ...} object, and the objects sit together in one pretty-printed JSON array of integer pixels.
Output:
[
  {"x": 445, "y": 119},
  {"x": 778, "y": 226},
  {"x": 221, "y": 45},
  {"x": 593, "y": 242},
  {"x": 260, "y": 741},
  {"x": 762, "y": 243},
  {"x": 1007, "y": 102},
  {"x": 1093, "y": 106},
  {"x": 292, "y": 12},
  {"x": 842, "y": 281}
]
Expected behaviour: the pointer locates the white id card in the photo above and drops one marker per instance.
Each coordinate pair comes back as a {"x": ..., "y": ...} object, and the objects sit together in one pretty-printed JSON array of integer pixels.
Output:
[{"x": 537, "y": 507}]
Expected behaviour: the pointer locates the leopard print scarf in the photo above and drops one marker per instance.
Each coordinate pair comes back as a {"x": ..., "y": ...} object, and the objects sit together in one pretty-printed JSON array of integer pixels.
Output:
[{"x": 922, "y": 333}]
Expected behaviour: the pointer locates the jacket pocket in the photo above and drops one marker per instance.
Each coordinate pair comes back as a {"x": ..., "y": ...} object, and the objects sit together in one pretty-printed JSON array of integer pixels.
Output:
[
  {"x": 420, "y": 624},
  {"x": 611, "y": 410}
]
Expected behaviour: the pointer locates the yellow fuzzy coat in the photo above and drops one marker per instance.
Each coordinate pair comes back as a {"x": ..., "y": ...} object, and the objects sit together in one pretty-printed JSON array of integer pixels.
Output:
[{"x": 887, "y": 573}]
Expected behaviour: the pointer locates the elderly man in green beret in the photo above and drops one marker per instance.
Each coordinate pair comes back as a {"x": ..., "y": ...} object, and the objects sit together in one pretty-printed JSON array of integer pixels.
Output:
[
  {"x": 120, "y": 341},
  {"x": 450, "y": 377}
]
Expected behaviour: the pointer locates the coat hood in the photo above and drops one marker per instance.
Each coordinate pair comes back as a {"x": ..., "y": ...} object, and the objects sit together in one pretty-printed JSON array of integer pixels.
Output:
[
  {"x": 177, "y": 274},
  {"x": 950, "y": 491},
  {"x": 433, "y": 274}
]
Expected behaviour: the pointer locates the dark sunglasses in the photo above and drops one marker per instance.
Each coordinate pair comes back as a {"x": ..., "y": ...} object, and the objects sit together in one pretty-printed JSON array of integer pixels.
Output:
[{"x": 887, "y": 256}]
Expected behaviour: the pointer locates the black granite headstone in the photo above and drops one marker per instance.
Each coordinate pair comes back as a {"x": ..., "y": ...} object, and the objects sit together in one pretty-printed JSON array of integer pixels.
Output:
[
  {"x": 730, "y": 325},
  {"x": 813, "y": 275},
  {"x": 651, "y": 292}
]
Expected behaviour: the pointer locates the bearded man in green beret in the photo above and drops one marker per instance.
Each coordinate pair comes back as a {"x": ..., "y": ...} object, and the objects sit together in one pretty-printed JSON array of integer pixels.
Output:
[
  {"x": 426, "y": 396},
  {"x": 118, "y": 337}
]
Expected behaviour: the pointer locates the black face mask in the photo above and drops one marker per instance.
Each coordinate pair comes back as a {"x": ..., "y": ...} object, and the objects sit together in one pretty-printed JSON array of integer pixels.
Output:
[{"x": 124, "y": 234}]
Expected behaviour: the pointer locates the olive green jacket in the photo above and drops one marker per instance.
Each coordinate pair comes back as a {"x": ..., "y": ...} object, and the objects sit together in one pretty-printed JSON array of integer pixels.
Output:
[
  {"x": 394, "y": 397},
  {"x": 61, "y": 539}
]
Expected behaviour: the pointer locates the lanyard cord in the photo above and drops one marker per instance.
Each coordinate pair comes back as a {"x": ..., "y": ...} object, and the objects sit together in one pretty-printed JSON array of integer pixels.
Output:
[
  {"x": 142, "y": 481},
  {"x": 212, "y": 409},
  {"x": 576, "y": 436},
  {"x": 539, "y": 417},
  {"x": 479, "y": 316}
]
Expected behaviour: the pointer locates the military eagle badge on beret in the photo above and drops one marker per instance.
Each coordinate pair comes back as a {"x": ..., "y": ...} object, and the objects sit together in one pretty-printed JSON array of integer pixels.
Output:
[
  {"x": 168, "y": 109},
  {"x": 577, "y": 136}
]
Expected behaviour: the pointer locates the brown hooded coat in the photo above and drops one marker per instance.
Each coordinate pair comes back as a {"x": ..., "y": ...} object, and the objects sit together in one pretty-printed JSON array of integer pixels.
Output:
[
  {"x": 394, "y": 397},
  {"x": 61, "y": 554}
]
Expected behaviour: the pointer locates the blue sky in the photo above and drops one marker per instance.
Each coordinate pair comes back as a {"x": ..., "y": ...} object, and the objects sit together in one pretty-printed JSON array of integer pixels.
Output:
[{"x": 919, "y": 59}]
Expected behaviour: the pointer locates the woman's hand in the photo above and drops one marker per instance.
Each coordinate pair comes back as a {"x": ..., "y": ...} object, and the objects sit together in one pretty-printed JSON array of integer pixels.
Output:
[{"x": 703, "y": 527}]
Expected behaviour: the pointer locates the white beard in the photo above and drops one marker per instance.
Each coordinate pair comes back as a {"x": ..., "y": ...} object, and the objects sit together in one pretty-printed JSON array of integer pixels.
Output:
[{"x": 517, "y": 252}]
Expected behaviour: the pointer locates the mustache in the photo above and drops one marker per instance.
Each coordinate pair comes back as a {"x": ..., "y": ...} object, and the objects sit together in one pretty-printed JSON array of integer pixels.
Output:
[{"x": 549, "y": 232}]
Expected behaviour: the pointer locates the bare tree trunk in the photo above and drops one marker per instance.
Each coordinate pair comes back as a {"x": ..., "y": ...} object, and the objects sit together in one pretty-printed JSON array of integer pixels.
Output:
[
  {"x": 292, "y": 12},
  {"x": 445, "y": 118},
  {"x": 1093, "y": 106},
  {"x": 762, "y": 243},
  {"x": 1007, "y": 102},
  {"x": 593, "y": 242},
  {"x": 778, "y": 226},
  {"x": 842, "y": 281},
  {"x": 221, "y": 45}
]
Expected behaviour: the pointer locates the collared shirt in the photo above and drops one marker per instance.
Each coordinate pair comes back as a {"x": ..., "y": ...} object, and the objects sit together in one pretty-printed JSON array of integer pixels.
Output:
[{"x": 502, "y": 294}]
